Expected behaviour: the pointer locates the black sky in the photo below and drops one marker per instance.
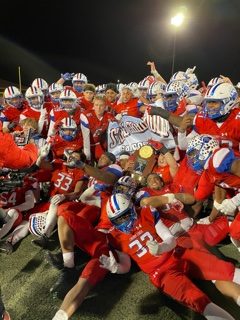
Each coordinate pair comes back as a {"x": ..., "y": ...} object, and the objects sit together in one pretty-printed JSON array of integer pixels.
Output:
[{"x": 109, "y": 40}]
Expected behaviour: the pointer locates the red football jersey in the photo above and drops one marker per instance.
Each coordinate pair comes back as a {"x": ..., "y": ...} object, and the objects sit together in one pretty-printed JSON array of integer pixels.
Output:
[
  {"x": 59, "y": 144},
  {"x": 229, "y": 129},
  {"x": 15, "y": 197},
  {"x": 129, "y": 108},
  {"x": 59, "y": 114},
  {"x": 218, "y": 173},
  {"x": 134, "y": 243},
  {"x": 186, "y": 179},
  {"x": 63, "y": 179}
]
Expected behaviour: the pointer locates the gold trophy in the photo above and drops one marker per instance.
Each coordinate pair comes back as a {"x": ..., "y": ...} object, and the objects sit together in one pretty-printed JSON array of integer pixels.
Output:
[{"x": 144, "y": 160}]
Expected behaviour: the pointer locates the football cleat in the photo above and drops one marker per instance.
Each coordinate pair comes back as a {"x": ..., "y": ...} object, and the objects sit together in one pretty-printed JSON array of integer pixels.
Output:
[
  {"x": 55, "y": 260},
  {"x": 41, "y": 242},
  {"x": 67, "y": 279},
  {"x": 6, "y": 247}
]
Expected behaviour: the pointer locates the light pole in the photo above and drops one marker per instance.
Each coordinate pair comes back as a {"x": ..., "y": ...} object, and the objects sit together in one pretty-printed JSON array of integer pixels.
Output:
[{"x": 176, "y": 21}]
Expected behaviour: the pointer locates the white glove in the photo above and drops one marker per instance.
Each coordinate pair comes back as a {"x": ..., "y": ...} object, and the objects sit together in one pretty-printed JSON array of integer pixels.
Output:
[
  {"x": 190, "y": 70},
  {"x": 118, "y": 117},
  {"x": 109, "y": 263},
  {"x": 154, "y": 247},
  {"x": 204, "y": 220},
  {"x": 217, "y": 205},
  {"x": 228, "y": 207},
  {"x": 58, "y": 198},
  {"x": 44, "y": 151}
]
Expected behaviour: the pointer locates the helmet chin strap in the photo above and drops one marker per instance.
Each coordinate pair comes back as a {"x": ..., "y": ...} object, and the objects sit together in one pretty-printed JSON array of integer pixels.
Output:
[{"x": 222, "y": 118}]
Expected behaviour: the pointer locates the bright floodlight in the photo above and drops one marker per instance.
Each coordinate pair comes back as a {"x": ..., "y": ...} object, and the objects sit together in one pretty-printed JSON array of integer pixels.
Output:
[{"x": 177, "y": 20}]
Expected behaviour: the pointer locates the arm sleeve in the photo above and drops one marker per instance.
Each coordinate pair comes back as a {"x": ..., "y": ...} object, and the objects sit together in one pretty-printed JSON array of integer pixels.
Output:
[
  {"x": 13, "y": 157},
  {"x": 86, "y": 136},
  {"x": 169, "y": 242},
  {"x": 51, "y": 130},
  {"x": 223, "y": 159}
]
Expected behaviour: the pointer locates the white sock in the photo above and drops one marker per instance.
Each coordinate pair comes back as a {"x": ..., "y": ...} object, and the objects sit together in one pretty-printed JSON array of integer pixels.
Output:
[
  {"x": 3, "y": 214},
  {"x": 236, "y": 277},
  {"x": 11, "y": 217},
  {"x": 238, "y": 301},
  {"x": 60, "y": 315},
  {"x": 214, "y": 312},
  {"x": 51, "y": 220},
  {"x": 236, "y": 243},
  {"x": 19, "y": 232},
  {"x": 68, "y": 259}
]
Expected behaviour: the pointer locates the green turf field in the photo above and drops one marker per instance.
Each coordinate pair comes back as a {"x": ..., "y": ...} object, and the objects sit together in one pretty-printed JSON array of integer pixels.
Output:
[{"x": 26, "y": 279}]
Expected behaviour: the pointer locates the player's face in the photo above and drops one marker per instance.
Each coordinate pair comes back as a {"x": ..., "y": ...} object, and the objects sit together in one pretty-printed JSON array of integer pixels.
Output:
[
  {"x": 88, "y": 95},
  {"x": 126, "y": 95},
  {"x": 213, "y": 106},
  {"x": 111, "y": 95},
  {"x": 123, "y": 163},
  {"x": 56, "y": 94},
  {"x": 73, "y": 156},
  {"x": 154, "y": 182},
  {"x": 153, "y": 97},
  {"x": 16, "y": 102},
  {"x": 162, "y": 161},
  {"x": 103, "y": 161},
  {"x": 143, "y": 92},
  {"x": 78, "y": 84},
  {"x": 99, "y": 107},
  {"x": 67, "y": 104}
]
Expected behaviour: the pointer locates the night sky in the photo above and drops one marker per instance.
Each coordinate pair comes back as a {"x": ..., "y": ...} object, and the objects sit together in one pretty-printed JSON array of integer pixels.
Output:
[{"x": 109, "y": 40}]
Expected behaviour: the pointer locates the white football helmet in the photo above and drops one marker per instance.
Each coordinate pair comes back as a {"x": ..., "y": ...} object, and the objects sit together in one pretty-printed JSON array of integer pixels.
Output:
[
  {"x": 156, "y": 88},
  {"x": 144, "y": 84},
  {"x": 55, "y": 87},
  {"x": 35, "y": 97},
  {"x": 175, "y": 91},
  {"x": 126, "y": 185},
  {"x": 55, "y": 90},
  {"x": 68, "y": 124},
  {"x": 192, "y": 81},
  {"x": 13, "y": 97},
  {"x": 214, "y": 81},
  {"x": 101, "y": 88},
  {"x": 41, "y": 84},
  {"x": 226, "y": 94},
  {"x": 179, "y": 75},
  {"x": 195, "y": 97},
  {"x": 78, "y": 81},
  {"x": 79, "y": 77},
  {"x": 121, "y": 212},
  {"x": 199, "y": 150},
  {"x": 68, "y": 100},
  {"x": 132, "y": 86}
]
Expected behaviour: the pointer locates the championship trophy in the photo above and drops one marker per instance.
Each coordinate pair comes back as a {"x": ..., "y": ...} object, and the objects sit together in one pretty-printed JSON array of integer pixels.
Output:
[{"x": 144, "y": 160}]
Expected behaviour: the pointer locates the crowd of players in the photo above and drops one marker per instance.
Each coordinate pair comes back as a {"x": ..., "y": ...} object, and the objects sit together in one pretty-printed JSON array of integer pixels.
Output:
[{"x": 91, "y": 197}]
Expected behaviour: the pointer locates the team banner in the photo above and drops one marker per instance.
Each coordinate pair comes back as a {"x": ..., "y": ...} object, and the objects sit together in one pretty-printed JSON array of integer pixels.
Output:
[{"x": 130, "y": 134}]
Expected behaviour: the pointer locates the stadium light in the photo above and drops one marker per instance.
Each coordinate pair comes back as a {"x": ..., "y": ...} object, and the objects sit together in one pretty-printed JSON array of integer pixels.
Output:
[{"x": 176, "y": 21}]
